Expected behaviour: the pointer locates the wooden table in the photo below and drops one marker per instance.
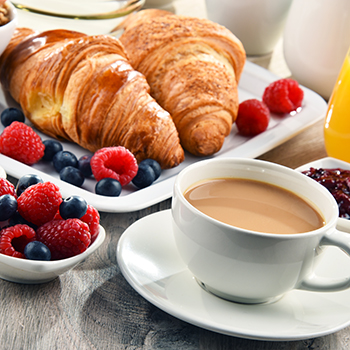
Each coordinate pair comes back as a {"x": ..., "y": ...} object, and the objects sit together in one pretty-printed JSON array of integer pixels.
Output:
[{"x": 93, "y": 307}]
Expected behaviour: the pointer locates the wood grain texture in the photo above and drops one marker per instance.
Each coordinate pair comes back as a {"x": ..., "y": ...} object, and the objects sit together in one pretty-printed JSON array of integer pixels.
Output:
[{"x": 301, "y": 149}]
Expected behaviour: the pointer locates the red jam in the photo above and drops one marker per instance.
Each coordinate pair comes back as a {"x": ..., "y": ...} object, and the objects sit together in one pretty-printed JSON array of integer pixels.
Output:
[{"x": 337, "y": 181}]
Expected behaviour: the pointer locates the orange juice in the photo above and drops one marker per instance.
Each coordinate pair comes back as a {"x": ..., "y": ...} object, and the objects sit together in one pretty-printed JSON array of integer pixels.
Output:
[{"x": 337, "y": 124}]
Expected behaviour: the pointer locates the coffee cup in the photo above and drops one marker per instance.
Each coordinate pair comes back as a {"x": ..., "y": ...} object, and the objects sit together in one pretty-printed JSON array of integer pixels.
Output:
[{"x": 248, "y": 265}]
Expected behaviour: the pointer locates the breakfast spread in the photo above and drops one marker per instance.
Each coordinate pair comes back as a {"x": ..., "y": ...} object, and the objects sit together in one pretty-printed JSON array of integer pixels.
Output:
[
  {"x": 112, "y": 167},
  {"x": 337, "y": 181},
  {"x": 4, "y": 13},
  {"x": 193, "y": 67},
  {"x": 83, "y": 89}
]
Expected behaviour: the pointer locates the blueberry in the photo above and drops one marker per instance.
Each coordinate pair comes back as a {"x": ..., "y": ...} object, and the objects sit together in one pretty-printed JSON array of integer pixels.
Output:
[
  {"x": 154, "y": 165},
  {"x": 73, "y": 207},
  {"x": 51, "y": 148},
  {"x": 18, "y": 219},
  {"x": 64, "y": 158},
  {"x": 37, "y": 251},
  {"x": 108, "y": 187},
  {"x": 85, "y": 166},
  {"x": 10, "y": 115},
  {"x": 72, "y": 175},
  {"x": 145, "y": 176},
  {"x": 8, "y": 207},
  {"x": 25, "y": 181}
]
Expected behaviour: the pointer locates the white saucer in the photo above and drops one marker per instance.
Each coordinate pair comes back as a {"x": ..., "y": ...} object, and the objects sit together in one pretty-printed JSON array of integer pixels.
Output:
[{"x": 149, "y": 261}]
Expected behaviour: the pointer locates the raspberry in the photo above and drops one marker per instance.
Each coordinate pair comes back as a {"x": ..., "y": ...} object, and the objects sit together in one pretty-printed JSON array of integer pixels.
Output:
[
  {"x": 20, "y": 142},
  {"x": 91, "y": 217},
  {"x": 6, "y": 187},
  {"x": 14, "y": 239},
  {"x": 253, "y": 117},
  {"x": 283, "y": 96},
  {"x": 114, "y": 162},
  {"x": 39, "y": 203},
  {"x": 64, "y": 238}
]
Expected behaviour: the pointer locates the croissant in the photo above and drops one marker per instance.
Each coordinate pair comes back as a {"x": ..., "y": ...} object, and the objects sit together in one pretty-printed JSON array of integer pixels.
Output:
[
  {"x": 193, "y": 67},
  {"x": 83, "y": 89}
]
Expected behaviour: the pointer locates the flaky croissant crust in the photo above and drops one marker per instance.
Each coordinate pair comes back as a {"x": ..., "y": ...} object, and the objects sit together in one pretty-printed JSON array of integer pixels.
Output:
[
  {"x": 193, "y": 66},
  {"x": 159, "y": 27},
  {"x": 82, "y": 88}
]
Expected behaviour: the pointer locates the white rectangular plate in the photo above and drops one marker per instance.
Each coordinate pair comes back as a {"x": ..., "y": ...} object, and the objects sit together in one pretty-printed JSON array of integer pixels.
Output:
[{"x": 252, "y": 84}]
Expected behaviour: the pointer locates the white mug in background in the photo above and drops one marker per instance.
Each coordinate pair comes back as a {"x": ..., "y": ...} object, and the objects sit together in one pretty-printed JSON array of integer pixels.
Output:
[
  {"x": 316, "y": 39},
  {"x": 247, "y": 266},
  {"x": 257, "y": 23}
]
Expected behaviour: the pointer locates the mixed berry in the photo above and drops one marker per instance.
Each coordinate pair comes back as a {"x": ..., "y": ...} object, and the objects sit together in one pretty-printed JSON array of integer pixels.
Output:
[
  {"x": 108, "y": 187},
  {"x": 115, "y": 167},
  {"x": 7, "y": 187},
  {"x": 253, "y": 117},
  {"x": 84, "y": 165},
  {"x": 21, "y": 142},
  {"x": 114, "y": 162},
  {"x": 72, "y": 175},
  {"x": 51, "y": 148},
  {"x": 8, "y": 206},
  {"x": 281, "y": 96},
  {"x": 112, "y": 167},
  {"x": 37, "y": 223},
  {"x": 64, "y": 238},
  {"x": 148, "y": 171},
  {"x": 37, "y": 250},
  {"x": 25, "y": 181},
  {"x": 63, "y": 159},
  {"x": 10, "y": 115},
  {"x": 14, "y": 239}
]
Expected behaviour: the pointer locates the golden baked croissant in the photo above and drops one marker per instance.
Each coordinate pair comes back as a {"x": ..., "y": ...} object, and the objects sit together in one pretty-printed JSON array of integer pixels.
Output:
[
  {"x": 82, "y": 88},
  {"x": 193, "y": 66}
]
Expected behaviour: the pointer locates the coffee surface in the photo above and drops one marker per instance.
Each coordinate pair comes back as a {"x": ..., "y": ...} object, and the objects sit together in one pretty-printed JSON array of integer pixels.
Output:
[{"x": 254, "y": 205}]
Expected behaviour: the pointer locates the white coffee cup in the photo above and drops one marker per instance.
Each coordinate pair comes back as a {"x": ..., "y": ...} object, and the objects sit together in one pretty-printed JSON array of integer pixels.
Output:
[
  {"x": 247, "y": 266},
  {"x": 257, "y": 23}
]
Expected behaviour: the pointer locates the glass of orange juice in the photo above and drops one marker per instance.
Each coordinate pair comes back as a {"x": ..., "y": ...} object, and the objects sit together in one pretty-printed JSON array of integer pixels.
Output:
[{"x": 337, "y": 123}]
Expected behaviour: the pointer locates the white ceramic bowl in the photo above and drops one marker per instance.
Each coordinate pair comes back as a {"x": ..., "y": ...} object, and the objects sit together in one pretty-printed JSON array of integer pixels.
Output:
[
  {"x": 90, "y": 17},
  {"x": 158, "y": 3},
  {"x": 3, "y": 172},
  {"x": 6, "y": 31},
  {"x": 35, "y": 271}
]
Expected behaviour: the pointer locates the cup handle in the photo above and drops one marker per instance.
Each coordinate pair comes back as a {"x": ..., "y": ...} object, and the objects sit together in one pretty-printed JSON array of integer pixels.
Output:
[{"x": 341, "y": 239}]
